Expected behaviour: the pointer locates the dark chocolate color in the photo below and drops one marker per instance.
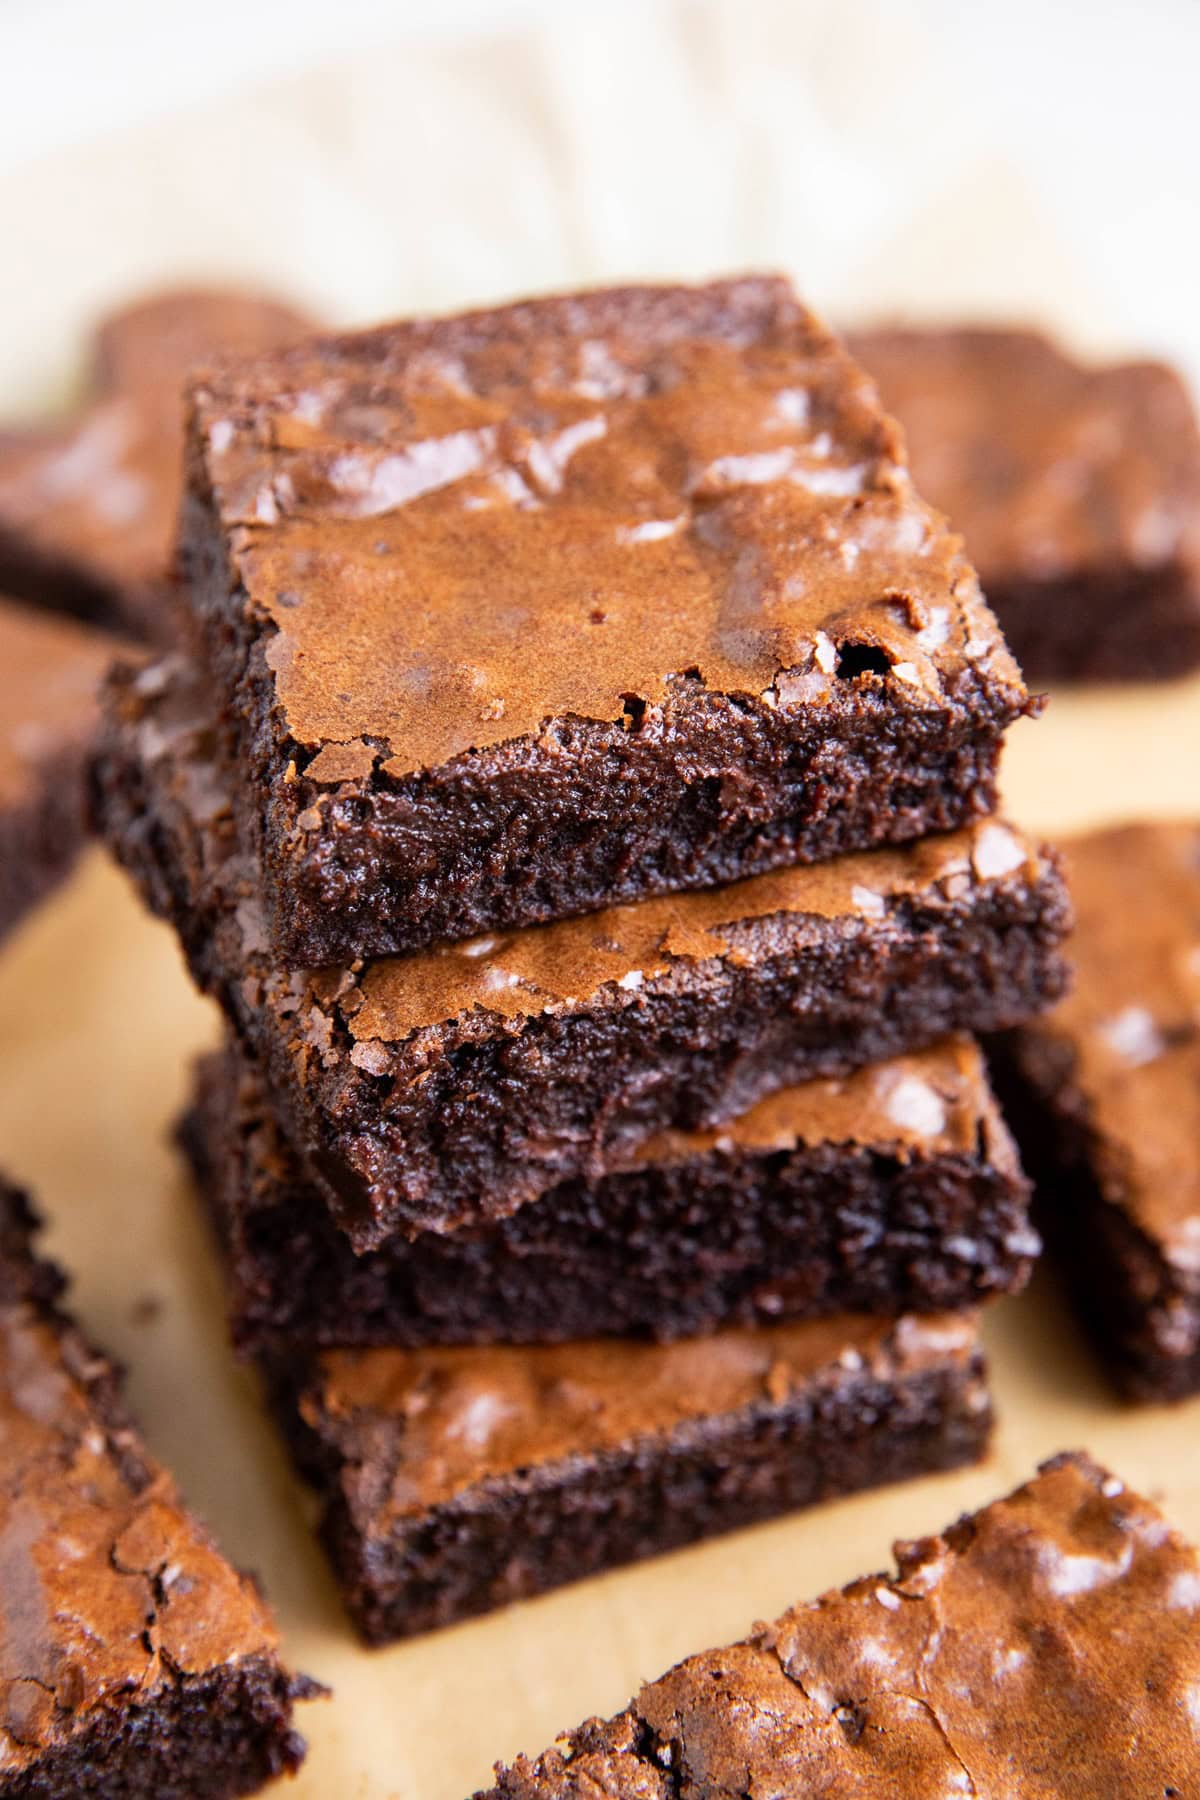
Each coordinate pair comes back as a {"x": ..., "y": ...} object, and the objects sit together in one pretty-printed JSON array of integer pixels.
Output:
[
  {"x": 135, "y": 1663},
  {"x": 455, "y": 1481},
  {"x": 538, "y": 610},
  {"x": 447, "y": 1088},
  {"x": 1076, "y": 487},
  {"x": 1045, "y": 1648},
  {"x": 895, "y": 1189}
]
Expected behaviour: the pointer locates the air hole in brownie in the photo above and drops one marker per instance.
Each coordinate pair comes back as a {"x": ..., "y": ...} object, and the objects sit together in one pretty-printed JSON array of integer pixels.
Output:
[
  {"x": 862, "y": 659},
  {"x": 852, "y": 1720},
  {"x": 635, "y": 709}
]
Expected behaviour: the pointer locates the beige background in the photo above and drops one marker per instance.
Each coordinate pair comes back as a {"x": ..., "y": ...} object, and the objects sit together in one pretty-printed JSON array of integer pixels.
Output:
[{"x": 891, "y": 156}]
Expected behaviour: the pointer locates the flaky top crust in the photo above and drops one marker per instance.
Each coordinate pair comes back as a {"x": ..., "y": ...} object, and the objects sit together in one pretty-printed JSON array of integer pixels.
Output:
[{"x": 446, "y": 533}]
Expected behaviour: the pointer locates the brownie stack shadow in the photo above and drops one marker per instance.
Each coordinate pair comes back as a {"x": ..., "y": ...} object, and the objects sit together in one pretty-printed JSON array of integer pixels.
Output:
[{"x": 579, "y": 793}]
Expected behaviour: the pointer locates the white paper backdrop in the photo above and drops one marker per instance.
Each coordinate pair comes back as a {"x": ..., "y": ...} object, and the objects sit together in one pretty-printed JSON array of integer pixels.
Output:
[{"x": 942, "y": 155}]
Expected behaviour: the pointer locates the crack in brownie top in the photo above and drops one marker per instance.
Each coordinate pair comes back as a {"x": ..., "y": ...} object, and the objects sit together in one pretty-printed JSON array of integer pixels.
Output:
[
  {"x": 1049, "y": 466},
  {"x": 469, "y": 1414},
  {"x": 1132, "y": 1022},
  {"x": 449, "y": 532}
]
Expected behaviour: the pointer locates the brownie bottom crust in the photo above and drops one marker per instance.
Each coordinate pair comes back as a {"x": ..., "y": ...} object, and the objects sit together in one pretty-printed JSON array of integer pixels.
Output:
[
  {"x": 720, "y": 1229},
  {"x": 570, "y": 1472}
]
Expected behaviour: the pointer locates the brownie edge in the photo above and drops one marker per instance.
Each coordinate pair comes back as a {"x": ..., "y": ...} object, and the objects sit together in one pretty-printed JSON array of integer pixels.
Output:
[
  {"x": 478, "y": 606},
  {"x": 135, "y": 1662},
  {"x": 1048, "y": 1645},
  {"x": 455, "y": 1481},
  {"x": 443, "y": 1089}
]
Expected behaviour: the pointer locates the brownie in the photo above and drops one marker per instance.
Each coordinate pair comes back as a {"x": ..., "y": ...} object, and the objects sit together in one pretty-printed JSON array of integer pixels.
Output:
[
  {"x": 50, "y": 671},
  {"x": 1047, "y": 1647},
  {"x": 445, "y": 1088},
  {"x": 89, "y": 505},
  {"x": 1077, "y": 488},
  {"x": 454, "y": 1481},
  {"x": 1105, "y": 1094},
  {"x": 134, "y": 1661},
  {"x": 537, "y": 610},
  {"x": 895, "y": 1189}
]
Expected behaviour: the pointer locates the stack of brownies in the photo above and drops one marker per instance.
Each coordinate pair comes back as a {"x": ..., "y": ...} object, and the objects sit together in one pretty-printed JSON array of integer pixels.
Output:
[{"x": 578, "y": 794}]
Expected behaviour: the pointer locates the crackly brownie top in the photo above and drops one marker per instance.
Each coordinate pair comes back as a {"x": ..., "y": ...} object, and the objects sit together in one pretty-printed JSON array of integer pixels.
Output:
[
  {"x": 102, "y": 488},
  {"x": 452, "y": 531},
  {"x": 108, "y": 1588},
  {"x": 465, "y": 1415},
  {"x": 1132, "y": 1023},
  {"x": 50, "y": 671},
  {"x": 1048, "y": 467},
  {"x": 1047, "y": 1646}
]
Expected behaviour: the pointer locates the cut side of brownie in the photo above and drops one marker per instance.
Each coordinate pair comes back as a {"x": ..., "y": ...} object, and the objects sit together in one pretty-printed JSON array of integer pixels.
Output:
[
  {"x": 1105, "y": 1095},
  {"x": 89, "y": 505},
  {"x": 442, "y": 1089},
  {"x": 1076, "y": 487},
  {"x": 892, "y": 1190},
  {"x": 1045, "y": 1647},
  {"x": 534, "y": 611},
  {"x": 134, "y": 1661},
  {"x": 50, "y": 673},
  {"x": 454, "y": 1481}
]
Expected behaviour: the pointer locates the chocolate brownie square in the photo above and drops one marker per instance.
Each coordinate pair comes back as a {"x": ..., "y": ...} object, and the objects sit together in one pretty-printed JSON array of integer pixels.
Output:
[
  {"x": 1076, "y": 486},
  {"x": 1045, "y": 1647},
  {"x": 454, "y": 1481},
  {"x": 538, "y": 610},
  {"x": 134, "y": 1661},
  {"x": 50, "y": 673},
  {"x": 450, "y": 1087},
  {"x": 89, "y": 506},
  {"x": 891, "y": 1190},
  {"x": 1105, "y": 1095}
]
